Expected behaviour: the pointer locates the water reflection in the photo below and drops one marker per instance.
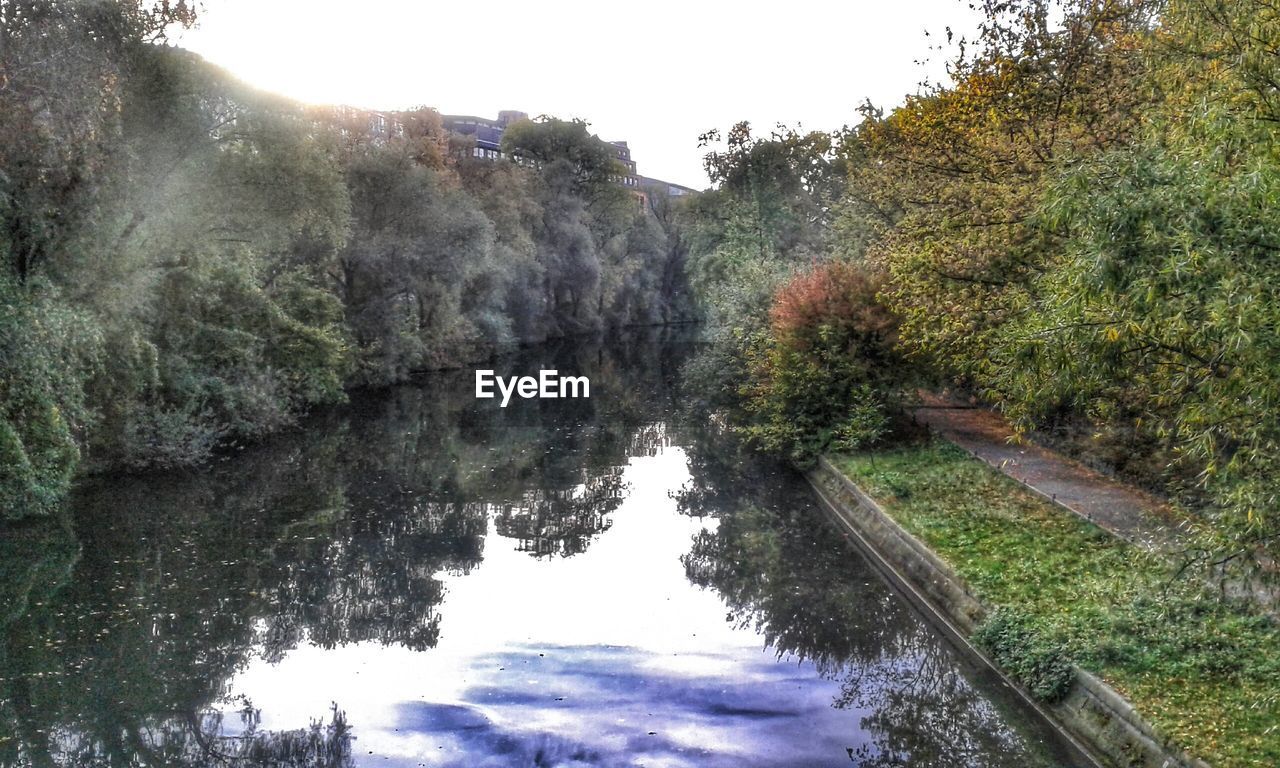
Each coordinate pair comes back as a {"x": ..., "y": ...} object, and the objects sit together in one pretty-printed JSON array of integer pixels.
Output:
[
  {"x": 423, "y": 578},
  {"x": 793, "y": 581}
]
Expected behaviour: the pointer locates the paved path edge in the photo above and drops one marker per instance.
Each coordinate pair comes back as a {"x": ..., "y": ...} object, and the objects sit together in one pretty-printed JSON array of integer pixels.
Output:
[{"x": 1103, "y": 724}]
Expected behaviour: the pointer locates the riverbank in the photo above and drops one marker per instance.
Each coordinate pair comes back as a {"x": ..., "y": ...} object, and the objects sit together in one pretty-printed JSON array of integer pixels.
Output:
[
  {"x": 458, "y": 357},
  {"x": 1050, "y": 591},
  {"x": 427, "y": 577}
]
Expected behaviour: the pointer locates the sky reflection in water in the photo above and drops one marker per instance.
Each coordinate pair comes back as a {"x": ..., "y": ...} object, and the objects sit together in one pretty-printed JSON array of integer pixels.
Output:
[
  {"x": 602, "y": 582},
  {"x": 607, "y": 657}
]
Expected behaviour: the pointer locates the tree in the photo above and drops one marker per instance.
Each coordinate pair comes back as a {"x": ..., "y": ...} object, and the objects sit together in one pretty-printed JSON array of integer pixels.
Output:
[
  {"x": 61, "y": 66},
  {"x": 569, "y": 156},
  {"x": 1162, "y": 317},
  {"x": 588, "y": 224},
  {"x": 507, "y": 193},
  {"x": 778, "y": 192},
  {"x": 417, "y": 245},
  {"x": 46, "y": 353},
  {"x": 673, "y": 292},
  {"x": 829, "y": 373},
  {"x": 950, "y": 182}
]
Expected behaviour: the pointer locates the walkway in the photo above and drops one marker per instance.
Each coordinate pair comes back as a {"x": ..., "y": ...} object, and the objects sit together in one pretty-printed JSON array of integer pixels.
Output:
[{"x": 1125, "y": 511}]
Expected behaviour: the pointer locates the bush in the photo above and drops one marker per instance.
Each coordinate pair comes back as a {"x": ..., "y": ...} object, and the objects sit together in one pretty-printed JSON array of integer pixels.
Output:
[
  {"x": 164, "y": 438},
  {"x": 46, "y": 353},
  {"x": 1026, "y": 652},
  {"x": 827, "y": 374}
]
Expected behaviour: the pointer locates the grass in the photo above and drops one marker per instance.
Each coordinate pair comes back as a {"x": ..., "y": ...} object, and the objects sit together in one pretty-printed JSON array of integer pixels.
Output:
[{"x": 1203, "y": 670}]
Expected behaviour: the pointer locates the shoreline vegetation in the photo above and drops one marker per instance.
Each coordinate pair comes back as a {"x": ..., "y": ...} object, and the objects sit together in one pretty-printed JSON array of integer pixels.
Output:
[
  {"x": 189, "y": 263},
  {"x": 1060, "y": 591},
  {"x": 1077, "y": 229}
]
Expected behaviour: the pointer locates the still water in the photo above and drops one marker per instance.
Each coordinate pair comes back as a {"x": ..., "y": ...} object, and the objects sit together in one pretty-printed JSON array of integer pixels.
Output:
[{"x": 423, "y": 578}]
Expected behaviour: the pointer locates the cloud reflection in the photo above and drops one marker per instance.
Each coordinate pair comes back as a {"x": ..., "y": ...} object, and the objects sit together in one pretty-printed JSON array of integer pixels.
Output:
[{"x": 609, "y": 705}]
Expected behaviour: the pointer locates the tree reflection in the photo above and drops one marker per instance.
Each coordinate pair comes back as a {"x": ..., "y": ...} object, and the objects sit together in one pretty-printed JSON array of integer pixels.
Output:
[
  {"x": 562, "y": 521},
  {"x": 782, "y": 569},
  {"x": 207, "y": 741},
  {"x": 924, "y": 712},
  {"x": 123, "y": 624},
  {"x": 122, "y": 627}
]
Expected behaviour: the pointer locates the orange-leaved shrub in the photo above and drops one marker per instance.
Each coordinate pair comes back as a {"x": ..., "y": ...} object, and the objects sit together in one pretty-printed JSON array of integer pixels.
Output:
[{"x": 828, "y": 374}]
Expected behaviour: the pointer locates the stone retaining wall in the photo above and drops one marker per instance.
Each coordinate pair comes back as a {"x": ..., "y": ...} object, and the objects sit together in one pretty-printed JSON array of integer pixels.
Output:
[{"x": 1096, "y": 717}]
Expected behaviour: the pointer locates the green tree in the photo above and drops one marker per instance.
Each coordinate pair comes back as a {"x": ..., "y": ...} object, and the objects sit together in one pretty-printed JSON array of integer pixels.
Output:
[
  {"x": 61, "y": 66},
  {"x": 565, "y": 153},
  {"x": 418, "y": 249},
  {"x": 948, "y": 184},
  {"x": 1162, "y": 318},
  {"x": 589, "y": 239},
  {"x": 46, "y": 353},
  {"x": 61, "y": 69}
]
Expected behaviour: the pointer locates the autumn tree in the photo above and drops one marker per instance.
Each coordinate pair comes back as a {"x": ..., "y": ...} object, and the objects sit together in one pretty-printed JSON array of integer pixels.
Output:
[
  {"x": 61, "y": 68},
  {"x": 829, "y": 374},
  {"x": 950, "y": 182},
  {"x": 1161, "y": 318}
]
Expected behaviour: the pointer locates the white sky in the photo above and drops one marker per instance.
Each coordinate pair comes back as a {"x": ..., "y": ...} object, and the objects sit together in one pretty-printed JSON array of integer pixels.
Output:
[{"x": 655, "y": 73}]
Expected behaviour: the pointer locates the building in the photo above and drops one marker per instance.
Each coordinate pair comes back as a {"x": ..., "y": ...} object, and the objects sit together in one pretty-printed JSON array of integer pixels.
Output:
[
  {"x": 623, "y": 155},
  {"x": 669, "y": 189},
  {"x": 487, "y": 134}
]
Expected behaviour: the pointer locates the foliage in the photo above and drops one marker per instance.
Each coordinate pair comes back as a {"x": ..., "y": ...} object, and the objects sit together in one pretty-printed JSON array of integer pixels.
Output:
[
  {"x": 768, "y": 218},
  {"x": 188, "y": 262},
  {"x": 748, "y": 240},
  {"x": 1075, "y": 226},
  {"x": 949, "y": 182},
  {"x": 1161, "y": 315},
  {"x": 782, "y": 187},
  {"x": 505, "y": 192},
  {"x": 417, "y": 250},
  {"x": 220, "y": 308},
  {"x": 828, "y": 371},
  {"x": 1165, "y": 313},
  {"x": 46, "y": 353},
  {"x": 1020, "y": 648},
  {"x": 603, "y": 258},
  {"x": 565, "y": 151},
  {"x": 61, "y": 69},
  {"x": 1200, "y": 667}
]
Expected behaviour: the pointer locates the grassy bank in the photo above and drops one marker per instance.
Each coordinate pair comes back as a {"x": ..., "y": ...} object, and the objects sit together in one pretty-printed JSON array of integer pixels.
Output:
[{"x": 1204, "y": 671}]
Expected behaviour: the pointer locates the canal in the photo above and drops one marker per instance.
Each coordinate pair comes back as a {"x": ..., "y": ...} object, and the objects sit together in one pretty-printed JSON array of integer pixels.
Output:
[{"x": 421, "y": 578}]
